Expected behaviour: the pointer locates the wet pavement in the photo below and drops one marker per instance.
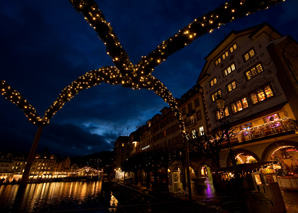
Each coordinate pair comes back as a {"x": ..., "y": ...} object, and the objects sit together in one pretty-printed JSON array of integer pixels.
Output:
[
  {"x": 205, "y": 198},
  {"x": 291, "y": 200}
]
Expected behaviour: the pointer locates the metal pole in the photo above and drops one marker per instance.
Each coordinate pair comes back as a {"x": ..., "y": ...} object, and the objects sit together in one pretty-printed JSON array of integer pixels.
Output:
[
  {"x": 31, "y": 157},
  {"x": 187, "y": 169}
]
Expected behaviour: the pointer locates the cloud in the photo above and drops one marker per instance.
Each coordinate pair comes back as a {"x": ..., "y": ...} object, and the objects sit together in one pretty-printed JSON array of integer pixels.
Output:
[{"x": 70, "y": 139}]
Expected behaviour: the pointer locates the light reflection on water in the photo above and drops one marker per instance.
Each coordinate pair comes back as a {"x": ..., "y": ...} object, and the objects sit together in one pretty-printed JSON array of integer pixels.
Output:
[{"x": 48, "y": 196}]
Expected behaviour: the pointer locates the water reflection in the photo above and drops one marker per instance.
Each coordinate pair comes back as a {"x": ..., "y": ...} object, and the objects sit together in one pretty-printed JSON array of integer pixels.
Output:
[{"x": 47, "y": 196}]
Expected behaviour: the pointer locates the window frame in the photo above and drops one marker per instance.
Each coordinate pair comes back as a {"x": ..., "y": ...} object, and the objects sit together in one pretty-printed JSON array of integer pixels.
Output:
[
  {"x": 213, "y": 81},
  {"x": 254, "y": 71},
  {"x": 235, "y": 105},
  {"x": 215, "y": 95},
  {"x": 227, "y": 68},
  {"x": 231, "y": 83},
  {"x": 249, "y": 55},
  {"x": 265, "y": 94}
]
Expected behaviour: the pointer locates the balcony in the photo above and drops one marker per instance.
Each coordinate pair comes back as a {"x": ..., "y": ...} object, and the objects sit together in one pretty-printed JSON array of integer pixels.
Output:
[{"x": 267, "y": 130}]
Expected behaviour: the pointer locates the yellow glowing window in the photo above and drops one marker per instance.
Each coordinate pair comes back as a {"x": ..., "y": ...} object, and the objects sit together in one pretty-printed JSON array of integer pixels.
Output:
[
  {"x": 231, "y": 86},
  {"x": 248, "y": 75},
  {"x": 246, "y": 57},
  {"x": 254, "y": 98},
  {"x": 216, "y": 95},
  {"x": 254, "y": 71},
  {"x": 268, "y": 91},
  {"x": 223, "y": 56},
  {"x": 239, "y": 105},
  {"x": 234, "y": 108},
  {"x": 259, "y": 68},
  {"x": 213, "y": 82},
  {"x": 227, "y": 113},
  {"x": 229, "y": 69},
  {"x": 244, "y": 103},
  {"x": 261, "y": 95},
  {"x": 251, "y": 53}
]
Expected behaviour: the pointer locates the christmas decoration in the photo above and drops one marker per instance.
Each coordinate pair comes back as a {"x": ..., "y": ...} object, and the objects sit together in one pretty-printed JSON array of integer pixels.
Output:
[{"x": 124, "y": 72}]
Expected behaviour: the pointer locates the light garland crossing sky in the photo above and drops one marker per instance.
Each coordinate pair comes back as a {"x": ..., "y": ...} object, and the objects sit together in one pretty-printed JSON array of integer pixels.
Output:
[{"x": 125, "y": 73}]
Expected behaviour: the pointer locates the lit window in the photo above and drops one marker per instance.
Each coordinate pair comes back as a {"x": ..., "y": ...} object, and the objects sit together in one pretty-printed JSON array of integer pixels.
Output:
[
  {"x": 268, "y": 91},
  {"x": 194, "y": 134},
  {"x": 244, "y": 102},
  {"x": 229, "y": 70},
  {"x": 234, "y": 108},
  {"x": 251, "y": 53},
  {"x": 213, "y": 82},
  {"x": 218, "y": 61},
  {"x": 231, "y": 86},
  {"x": 227, "y": 113},
  {"x": 201, "y": 130},
  {"x": 216, "y": 95},
  {"x": 239, "y": 105},
  {"x": 261, "y": 94},
  {"x": 254, "y": 71},
  {"x": 220, "y": 114},
  {"x": 254, "y": 98},
  {"x": 259, "y": 68}
]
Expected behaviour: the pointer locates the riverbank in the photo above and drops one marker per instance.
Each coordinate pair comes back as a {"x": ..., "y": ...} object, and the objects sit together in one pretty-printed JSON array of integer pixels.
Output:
[{"x": 48, "y": 180}]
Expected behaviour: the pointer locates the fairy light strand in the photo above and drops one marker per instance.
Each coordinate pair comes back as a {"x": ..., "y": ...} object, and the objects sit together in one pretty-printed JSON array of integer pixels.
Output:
[{"x": 124, "y": 72}]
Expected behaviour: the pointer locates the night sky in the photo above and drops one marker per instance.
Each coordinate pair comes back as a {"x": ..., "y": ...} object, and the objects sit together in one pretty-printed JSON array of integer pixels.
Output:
[{"x": 45, "y": 45}]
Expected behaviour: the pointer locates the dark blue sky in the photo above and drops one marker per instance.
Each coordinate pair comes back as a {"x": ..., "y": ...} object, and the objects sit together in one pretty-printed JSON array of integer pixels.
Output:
[{"x": 45, "y": 45}]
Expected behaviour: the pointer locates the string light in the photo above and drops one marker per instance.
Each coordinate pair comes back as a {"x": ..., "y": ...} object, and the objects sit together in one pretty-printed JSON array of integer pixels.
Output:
[{"x": 124, "y": 72}]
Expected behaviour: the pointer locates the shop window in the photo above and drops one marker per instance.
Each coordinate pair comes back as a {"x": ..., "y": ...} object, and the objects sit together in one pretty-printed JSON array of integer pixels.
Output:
[
  {"x": 254, "y": 71},
  {"x": 246, "y": 126},
  {"x": 229, "y": 70},
  {"x": 248, "y": 55},
  {"x": 231, "y": 86},
  {"x": 213, "y": 82},
  {"x": 239, "y": 105},
  {"x": 216, "y": 95},
  {"x": 261, "y": 94}
]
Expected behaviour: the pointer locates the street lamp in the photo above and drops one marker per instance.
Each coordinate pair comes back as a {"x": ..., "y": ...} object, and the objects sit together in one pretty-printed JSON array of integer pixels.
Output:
[{"x": 220, "y": 104}]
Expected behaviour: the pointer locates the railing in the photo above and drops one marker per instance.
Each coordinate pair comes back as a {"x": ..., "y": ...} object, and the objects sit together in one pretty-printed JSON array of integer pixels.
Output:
[{"x": 268, "y": 129}]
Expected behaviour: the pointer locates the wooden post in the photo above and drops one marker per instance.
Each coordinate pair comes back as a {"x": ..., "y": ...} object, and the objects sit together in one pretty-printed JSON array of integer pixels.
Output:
[{"x": 31, "y": 157}]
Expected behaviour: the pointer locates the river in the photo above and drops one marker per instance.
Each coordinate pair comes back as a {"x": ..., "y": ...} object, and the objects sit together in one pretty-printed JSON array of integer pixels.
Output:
[{"x": 53, "y": 196}]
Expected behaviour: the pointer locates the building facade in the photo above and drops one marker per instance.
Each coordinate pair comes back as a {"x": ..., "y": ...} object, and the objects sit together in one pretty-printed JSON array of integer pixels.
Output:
[{"x": 255, "y": 72}]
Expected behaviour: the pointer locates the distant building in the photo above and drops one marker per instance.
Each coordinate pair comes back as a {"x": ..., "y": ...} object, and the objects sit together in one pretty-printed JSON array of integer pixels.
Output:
[{"x": 122, "y": 152}]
